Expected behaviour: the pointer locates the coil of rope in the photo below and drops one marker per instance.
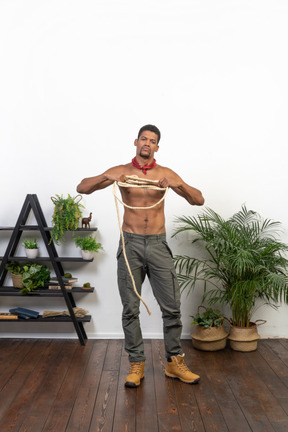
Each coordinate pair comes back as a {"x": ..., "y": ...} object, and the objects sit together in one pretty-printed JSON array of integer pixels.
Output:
[{"x": 136, "y": 182}]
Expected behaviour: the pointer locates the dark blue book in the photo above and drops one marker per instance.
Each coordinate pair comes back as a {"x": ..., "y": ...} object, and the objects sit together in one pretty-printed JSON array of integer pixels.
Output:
[{"x": 24, "y": 313}]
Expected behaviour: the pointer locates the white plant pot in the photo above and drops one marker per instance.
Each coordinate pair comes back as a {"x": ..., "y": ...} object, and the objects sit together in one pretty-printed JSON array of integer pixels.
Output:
[
  {"x": 87, "y": 255},
  {"x": 32, "y": 253}
]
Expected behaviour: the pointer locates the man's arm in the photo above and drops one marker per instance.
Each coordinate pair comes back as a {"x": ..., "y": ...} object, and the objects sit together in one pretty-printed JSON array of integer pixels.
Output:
[
  {"x": 175, "y": 182},
  {"x": 92, "y": 184}
]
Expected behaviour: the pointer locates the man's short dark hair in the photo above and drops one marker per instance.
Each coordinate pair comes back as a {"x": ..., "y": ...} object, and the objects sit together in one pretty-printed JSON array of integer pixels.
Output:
[{"x": 150, "y": 128}]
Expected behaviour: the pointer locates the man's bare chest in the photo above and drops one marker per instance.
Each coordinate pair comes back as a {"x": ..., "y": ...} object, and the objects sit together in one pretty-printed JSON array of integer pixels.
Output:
[{"x": 140, "y": 194}]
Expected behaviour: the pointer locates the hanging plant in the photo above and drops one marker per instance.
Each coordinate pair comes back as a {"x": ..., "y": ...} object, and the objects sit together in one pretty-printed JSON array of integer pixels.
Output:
[{"x": 66, "y": 215}]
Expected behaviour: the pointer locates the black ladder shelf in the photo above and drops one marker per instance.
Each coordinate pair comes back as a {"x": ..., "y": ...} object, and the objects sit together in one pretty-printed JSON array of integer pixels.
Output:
[{"x": 31, "y": 203}]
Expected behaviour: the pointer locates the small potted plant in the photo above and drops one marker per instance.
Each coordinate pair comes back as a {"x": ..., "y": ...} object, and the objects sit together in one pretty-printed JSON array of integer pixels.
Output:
[
  {"x": 31, "y": 248},
  {"x": 88, "y": 246},
  {"x": 28, "y": 276},
  {"x": 16, "y": 270},
  {"x": 209, "y": 333}
]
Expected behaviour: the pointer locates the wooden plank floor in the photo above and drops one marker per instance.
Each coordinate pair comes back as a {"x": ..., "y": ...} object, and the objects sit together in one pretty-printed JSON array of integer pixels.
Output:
[{"x": 57, "y": 385}]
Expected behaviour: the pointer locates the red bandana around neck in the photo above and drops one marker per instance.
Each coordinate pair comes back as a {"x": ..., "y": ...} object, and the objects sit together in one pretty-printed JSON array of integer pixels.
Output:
[{"x": 145, "y": 167}]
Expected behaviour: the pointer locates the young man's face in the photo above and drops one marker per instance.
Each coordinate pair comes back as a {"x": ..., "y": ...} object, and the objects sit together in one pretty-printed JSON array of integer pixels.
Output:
[{"x": 147, "y": 144}]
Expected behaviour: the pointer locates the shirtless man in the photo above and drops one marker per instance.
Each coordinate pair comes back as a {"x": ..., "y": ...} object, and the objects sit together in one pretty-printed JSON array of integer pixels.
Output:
[{"x": 148, "y": 253}]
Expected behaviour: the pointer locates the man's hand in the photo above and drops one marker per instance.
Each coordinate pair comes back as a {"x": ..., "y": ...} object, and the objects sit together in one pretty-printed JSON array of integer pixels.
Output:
[
  {"x": 167, "y": 182},
  {"x": 122, "y": 179},
  {"x": 191, "y": 194},
  {"x": 113, "y": 178}
]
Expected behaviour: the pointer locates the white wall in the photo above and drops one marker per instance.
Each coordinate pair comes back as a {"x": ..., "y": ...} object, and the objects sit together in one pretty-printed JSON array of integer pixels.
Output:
[{"x": 77, "y": 81}]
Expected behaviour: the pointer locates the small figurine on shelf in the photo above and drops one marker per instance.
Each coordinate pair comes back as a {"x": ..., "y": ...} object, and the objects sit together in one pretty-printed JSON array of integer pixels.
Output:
[{"x": 86, "y": 221}]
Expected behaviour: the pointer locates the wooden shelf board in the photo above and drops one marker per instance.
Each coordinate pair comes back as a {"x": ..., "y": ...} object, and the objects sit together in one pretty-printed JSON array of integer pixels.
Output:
[
  {"x": 87, "y": 318},
  {"x": 36, "y": 228},
  {"x": 11, "y": 291},
  {"x": 43, "y": 259}
]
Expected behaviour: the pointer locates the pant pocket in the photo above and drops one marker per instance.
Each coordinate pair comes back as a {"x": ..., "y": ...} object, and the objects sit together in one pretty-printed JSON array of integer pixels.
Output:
[
  {"x": 120, "y": 248},
  {"x": 168, "y": 248}
]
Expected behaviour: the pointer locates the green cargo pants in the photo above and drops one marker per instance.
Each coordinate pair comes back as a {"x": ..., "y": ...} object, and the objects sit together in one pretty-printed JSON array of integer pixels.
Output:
[{"x": 149, "y": 255}]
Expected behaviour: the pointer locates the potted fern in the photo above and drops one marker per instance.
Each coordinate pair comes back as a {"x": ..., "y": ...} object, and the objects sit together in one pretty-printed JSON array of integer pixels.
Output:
[
  {"x": 66, "y": 215},
  {"x": 88, "y": 246},
  {"x": 244, "y": 262}
]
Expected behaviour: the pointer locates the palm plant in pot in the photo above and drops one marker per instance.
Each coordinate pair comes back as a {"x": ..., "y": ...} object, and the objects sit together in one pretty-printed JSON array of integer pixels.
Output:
[
  {"x": 88, "y": 246},
  {"x": 245, "y": 262}
]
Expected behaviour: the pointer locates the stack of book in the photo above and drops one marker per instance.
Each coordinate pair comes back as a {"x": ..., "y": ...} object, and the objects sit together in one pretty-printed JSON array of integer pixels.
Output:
[
  {"x": 67, "y": 283},
  {"x": 7, "y": 316},
  {"x": 24, "y": 313}
]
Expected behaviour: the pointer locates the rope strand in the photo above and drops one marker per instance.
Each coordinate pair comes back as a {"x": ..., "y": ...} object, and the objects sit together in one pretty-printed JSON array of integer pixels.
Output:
[{"x": 135, "y": 181}]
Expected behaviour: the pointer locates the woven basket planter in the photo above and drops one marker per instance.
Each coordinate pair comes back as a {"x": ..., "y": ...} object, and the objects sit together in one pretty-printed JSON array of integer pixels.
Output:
[
  {"x": 244, "y": 339},
  {"x": 17, "y": 280},
  {"x": 209, "y": 339}
]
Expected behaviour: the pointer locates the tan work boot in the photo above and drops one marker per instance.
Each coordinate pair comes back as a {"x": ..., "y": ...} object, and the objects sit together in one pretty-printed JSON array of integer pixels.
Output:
[
  {"x": 176, "y": 368},
  {"x": 136, "y": 374}
]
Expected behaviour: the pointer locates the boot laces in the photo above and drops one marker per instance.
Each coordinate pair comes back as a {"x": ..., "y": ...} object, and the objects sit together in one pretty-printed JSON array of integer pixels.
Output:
[
  {"x": 182, "y": 366},
  {"x": 135, "y": 368}
]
